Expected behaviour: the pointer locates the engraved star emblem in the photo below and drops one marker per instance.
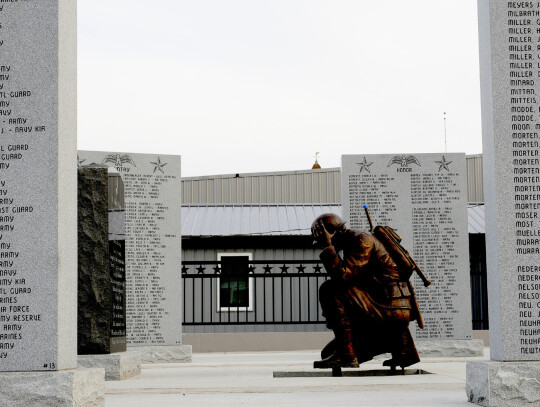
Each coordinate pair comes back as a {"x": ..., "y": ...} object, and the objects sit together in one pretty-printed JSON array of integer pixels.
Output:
[
  {"x": 158, "y": 165},
  {"x": 443, "y": 164},
  {"x": 364, "y": 165},
  {"x": 79, "y": 161}
]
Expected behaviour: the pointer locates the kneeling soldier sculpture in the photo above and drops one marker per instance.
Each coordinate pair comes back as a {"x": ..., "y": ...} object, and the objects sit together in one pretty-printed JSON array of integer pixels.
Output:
[{"x": 368, "y": 301}]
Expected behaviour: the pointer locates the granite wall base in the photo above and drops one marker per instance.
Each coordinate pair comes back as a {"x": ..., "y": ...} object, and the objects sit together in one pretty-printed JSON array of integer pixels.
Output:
[
  {"x": 67, "y": 388},
  {"x": 163, "y": 354},
  {"x": 503, "y": 384},
  {"x": 453, "y": 348},
  {"x": 118, "y": 366}
]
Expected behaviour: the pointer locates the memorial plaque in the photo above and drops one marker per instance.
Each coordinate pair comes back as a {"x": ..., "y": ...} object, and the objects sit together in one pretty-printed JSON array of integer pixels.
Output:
[
  {"x": 153, "y": 244},
  {"x": 38, "y": 215},
  {"x": 423, "y": 197},
  {"x": 510, "y": 73}
]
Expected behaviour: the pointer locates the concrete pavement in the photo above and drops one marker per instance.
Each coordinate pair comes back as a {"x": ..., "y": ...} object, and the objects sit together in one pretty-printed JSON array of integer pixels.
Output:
[{"x": 236, "y": 379}]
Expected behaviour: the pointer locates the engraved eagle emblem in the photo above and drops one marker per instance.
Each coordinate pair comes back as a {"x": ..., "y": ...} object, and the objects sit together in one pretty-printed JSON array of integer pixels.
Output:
[
  {"x": 118, "y": 160},
  {"x": 404, "y": 160}
]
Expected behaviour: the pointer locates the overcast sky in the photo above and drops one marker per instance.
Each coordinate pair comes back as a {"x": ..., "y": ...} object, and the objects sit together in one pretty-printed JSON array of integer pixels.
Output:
[{"x": 248, "y": 85}]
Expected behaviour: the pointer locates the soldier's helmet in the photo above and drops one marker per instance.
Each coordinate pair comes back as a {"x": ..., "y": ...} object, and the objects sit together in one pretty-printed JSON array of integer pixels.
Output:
[{"x": 331, "y": 222}]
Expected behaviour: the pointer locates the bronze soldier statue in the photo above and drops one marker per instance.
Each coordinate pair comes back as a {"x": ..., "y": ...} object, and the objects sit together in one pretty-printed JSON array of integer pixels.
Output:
[{"x": 367, "y": 301}]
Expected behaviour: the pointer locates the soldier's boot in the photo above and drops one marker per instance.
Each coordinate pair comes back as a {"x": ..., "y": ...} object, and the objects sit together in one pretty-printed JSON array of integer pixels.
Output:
[
  {"x": 344, "y": 355},
  {"x": 405, "y": 353}
]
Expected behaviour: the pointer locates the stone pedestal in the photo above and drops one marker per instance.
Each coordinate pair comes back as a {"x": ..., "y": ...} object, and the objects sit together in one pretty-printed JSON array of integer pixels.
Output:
[
  {"x": 68, "y": 388},
  {"x": 503, "y": 384},
  {"x": 164, "y": 354},
  {"x": 464, "y": 348},
  {"x": 118, "y": 366}
]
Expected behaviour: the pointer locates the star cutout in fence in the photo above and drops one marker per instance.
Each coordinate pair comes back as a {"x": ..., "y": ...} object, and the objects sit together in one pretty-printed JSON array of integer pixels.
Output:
[
  {"x": 364, "y": 165},
  {"x": 217, "y": 270},
  {"x": 300, "y": 269},
  {"x": 184, "y": 270},
  {"x": 251, "y": 270},
  {"x": 267, "y": 269},
  {"x": 284, "y": 269},
  {"x": 159, "y": 165},
  {"x": 443, "y": 164},
  {"x": 317, "y": 268},
  {"x": 200, "y": 269}
]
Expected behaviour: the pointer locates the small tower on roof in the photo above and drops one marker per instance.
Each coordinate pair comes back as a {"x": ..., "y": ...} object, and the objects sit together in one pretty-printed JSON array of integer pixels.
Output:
[{"x": 316, "y": 166}]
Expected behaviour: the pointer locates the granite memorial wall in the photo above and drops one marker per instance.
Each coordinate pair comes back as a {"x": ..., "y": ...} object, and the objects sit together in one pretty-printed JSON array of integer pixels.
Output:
[
  {"x": 38, "y": 209},
  {"x": 37, "y": 131},
  {"x": 510, "y": 63},
  {"x": 509, "y": 33},
  {"x": 101, "y": 258},
  {"x": 424, "y": 198},
  {"x": 153, "y": 244}
]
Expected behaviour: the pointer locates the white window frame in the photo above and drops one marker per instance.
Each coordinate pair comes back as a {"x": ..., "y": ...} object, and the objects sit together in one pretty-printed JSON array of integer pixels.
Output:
[{"x": 250, "y": 286}]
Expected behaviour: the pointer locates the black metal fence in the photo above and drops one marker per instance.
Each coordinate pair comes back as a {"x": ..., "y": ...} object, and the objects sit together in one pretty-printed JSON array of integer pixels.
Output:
[
  {"x": 269, "y": 292},
  {"x": 282, "y": 292},
  {"x": 479, "y": 295}
]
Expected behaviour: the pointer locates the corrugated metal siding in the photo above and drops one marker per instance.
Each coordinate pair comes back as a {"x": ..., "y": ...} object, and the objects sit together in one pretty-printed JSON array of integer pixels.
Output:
[
  {"x": 475, "y": 186},
  {"x": 311, "y": 186},
  {"x": 293, "y": 187}
]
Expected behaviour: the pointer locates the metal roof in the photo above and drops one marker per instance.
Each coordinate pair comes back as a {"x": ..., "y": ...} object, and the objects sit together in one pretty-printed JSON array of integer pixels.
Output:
[
  {"x": 251, "y": 220},
  {"x": 273, "y": 220}
]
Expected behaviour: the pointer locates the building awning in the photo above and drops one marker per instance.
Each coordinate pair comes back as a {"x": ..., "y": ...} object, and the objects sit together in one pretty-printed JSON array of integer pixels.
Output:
[{"x": 273, "y": 220}]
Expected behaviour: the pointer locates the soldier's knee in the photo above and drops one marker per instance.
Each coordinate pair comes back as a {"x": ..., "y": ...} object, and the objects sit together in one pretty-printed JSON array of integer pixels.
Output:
[{"x": 327, "y": 289}]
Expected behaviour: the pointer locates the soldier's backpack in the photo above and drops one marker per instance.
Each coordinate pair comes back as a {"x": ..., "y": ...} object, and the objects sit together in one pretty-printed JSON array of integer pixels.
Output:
[{"x": 392, "y": 243}]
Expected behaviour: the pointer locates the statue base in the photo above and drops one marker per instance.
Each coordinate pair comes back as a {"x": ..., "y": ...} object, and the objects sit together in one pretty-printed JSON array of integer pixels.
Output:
[
  {"x": 503, "y": 384},
  {"x": 348, "y": 372}
]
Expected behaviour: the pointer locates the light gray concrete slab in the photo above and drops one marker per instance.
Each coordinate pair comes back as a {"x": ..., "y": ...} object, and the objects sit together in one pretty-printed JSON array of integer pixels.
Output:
[{"x": 228, "y": 379}]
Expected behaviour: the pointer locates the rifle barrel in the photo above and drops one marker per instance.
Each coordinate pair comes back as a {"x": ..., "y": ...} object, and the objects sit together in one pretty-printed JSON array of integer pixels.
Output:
[{"x": 368, "y": 218}]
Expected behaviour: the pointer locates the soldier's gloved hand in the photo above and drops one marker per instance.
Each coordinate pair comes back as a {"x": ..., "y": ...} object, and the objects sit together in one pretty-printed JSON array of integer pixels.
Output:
[{"x": 322, "y": 236}]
